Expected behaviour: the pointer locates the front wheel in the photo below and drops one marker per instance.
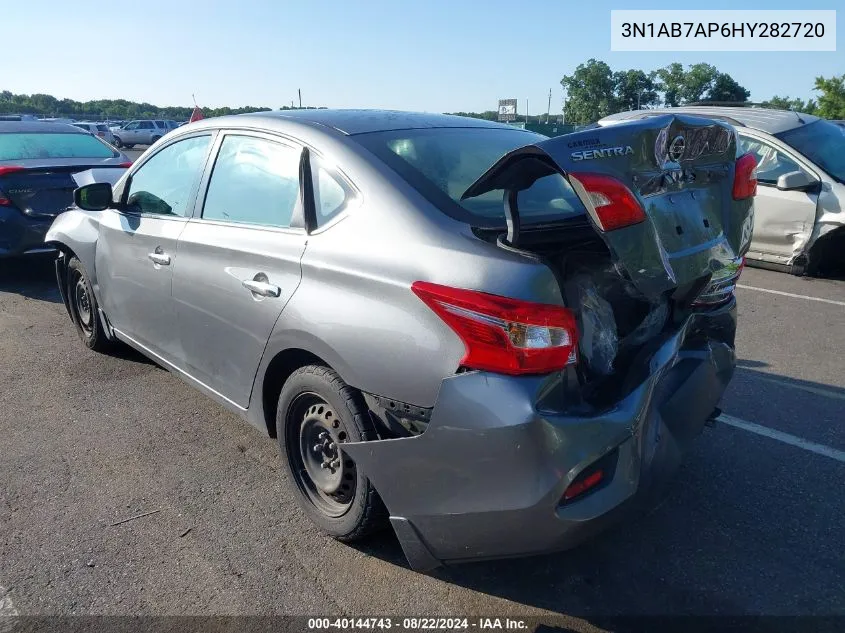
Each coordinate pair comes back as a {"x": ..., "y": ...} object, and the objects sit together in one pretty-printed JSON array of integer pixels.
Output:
[
  {"x": 117, "y": 142},
  {"x": 317, "y": 413},
  {"x": 83, "y": 308}
]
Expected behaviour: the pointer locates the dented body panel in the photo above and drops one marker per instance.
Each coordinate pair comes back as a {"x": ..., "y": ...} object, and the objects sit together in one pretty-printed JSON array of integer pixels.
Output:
[{"x": 794, "y": 228}]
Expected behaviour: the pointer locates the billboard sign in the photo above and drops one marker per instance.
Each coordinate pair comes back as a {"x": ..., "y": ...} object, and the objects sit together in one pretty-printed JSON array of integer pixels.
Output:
[{"x": 507, "y": 110}]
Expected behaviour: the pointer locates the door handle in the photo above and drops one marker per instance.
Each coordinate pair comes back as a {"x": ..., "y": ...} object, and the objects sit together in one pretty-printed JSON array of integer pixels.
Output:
[
  {"x": 159, "y": 258},
  {"x": 262, "y": 288}
]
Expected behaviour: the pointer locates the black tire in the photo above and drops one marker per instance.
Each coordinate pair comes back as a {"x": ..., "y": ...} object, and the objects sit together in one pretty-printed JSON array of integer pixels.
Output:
[
  {"x": 316, "y": 412},
  {"x": 129, "y": 146},
  {"x": 83, "y": 308},
  {"x": 155, "y": 139},
  {"x": 117, "y": 142}
]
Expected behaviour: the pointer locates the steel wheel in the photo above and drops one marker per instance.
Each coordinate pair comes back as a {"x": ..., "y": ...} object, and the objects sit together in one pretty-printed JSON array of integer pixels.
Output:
[
  {"x": 321, "y": 471},
  {"x": 82, "y": 303}
]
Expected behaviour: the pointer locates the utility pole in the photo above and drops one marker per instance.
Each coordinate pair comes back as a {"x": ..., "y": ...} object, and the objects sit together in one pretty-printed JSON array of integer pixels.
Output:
[
  {"x": 526, "y": 113},
  {"x": 549, "y": 109},
  {"x": 299, "y": 90}
]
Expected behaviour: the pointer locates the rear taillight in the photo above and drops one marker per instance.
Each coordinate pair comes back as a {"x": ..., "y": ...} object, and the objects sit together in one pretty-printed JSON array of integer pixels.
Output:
[
  {"x": 127, "y": 164},
  {"x": 583, "y": 484},
  {"x": 615, "y": 205},
  {"x": 745, "y": 177},
  {"x": 10, "y": 169},
  {"x": 504, "y": 335},
  {"x": 4, "y": 201}
]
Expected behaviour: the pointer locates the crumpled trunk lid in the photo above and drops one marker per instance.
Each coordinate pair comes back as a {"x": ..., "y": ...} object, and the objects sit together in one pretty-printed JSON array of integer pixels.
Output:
[{"x": 679, "y": 168}]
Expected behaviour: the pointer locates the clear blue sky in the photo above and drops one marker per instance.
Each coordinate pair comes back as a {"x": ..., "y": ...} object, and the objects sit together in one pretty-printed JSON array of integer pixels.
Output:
[{"x": 434, "y": 55}]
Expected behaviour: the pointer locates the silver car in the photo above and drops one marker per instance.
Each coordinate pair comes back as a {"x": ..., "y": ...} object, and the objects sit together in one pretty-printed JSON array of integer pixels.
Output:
[
  {"x": 140, "y": 132},
  {"x": 800, "y": 210},
  {"x": 97, "y": 129},
  {"x": 493, "y": 340}
]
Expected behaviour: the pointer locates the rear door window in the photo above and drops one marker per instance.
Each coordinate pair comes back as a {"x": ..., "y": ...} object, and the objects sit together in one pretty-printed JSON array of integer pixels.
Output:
[
  {"x": 254, "y": 181},
  {"x": 771, "y": 162}
]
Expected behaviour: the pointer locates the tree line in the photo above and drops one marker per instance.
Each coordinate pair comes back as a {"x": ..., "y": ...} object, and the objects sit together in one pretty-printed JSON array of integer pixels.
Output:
[
  {"x": 595, "y": 91},
  {"x": 112, "y": 109}
]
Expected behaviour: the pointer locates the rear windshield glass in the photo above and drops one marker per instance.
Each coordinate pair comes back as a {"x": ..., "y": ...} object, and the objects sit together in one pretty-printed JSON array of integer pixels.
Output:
[
  {"x": 24, "y": 146},
  {"x": 442, "y": 163}
]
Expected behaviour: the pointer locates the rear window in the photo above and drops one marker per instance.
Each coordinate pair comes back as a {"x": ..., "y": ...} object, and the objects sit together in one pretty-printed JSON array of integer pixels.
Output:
[
  {"x": 103, "y": 128},
  {"x": 442, "y": 163},
  {"x": 24, "y": 146}
]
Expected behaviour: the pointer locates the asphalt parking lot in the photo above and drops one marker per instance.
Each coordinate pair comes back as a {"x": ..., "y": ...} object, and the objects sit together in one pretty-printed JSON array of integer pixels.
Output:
[{"x": 754, "y": 523}]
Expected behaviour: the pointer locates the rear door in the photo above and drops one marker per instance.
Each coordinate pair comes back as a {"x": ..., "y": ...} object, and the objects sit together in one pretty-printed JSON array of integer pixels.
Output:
[
  {"x": 137, "y": 246},
  {"x": 783, "y": 220},
  {"x": 239, "y": 261}
]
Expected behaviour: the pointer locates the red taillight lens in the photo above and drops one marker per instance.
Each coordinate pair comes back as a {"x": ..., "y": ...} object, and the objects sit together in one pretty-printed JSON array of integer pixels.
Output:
[
  {"x": 127, "y": 164},
  {"x": 504, "y": 335},
  {"x": 745, "y": 177},
  {"x": 4, "y": 201},
  {"x": 616, "y": 206},
  {"x": 10, "y": 169},
  {"x": 580, "y": 486}
]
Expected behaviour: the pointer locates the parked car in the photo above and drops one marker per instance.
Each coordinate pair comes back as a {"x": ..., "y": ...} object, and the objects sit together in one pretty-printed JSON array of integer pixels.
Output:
[
  {"x": 495, "y": 339},
  {"x": 40, "y": 166},
  {"x": 97, "y": 129},
  {"x": 140, "y": 132},
  {"x": 799, "y": 219}
]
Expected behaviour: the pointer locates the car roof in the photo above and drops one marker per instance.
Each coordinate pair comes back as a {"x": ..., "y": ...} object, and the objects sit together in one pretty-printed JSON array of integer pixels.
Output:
[
  {"x": 361, "y": 121},
  {"x": 763, "y": 119},
  {"x": 10, "y": 127}
]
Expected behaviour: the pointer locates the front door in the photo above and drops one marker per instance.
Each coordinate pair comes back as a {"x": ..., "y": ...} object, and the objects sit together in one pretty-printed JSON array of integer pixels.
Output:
[
  {"x": 137, "y": 246},
  {"x": 239, "y": 262},
  {"x": 783, "y": 220}
]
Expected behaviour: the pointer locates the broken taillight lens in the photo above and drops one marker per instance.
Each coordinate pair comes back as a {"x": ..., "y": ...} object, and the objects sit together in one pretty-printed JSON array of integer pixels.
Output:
[
  {"x": 722, "y": 285},
  {"x": 615, "y": 205},
  {"x": 745, "y": 177},
  {"x": 501, "y": 334}
]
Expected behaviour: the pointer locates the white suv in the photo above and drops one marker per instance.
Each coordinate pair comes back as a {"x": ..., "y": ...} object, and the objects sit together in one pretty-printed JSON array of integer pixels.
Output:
[{"x": 140, "y": 132}]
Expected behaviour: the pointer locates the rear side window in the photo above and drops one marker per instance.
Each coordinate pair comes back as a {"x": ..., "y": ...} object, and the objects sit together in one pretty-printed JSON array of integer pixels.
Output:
[
  {"x": 255, "y": 181},
  {"x": 26, "y": 146},
  {"x": 443, "y": 162},
  {"x": 331, "y": 194},
  {"x": 146, "y": 125}
]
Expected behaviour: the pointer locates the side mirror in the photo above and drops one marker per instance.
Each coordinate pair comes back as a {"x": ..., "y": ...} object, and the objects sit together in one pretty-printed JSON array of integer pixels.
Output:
[
  {"x": 796, "y": 181},
  {"x": 93, "y": 197}
]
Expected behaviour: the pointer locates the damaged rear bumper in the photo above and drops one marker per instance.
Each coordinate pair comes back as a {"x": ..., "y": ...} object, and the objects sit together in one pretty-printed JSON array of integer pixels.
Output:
[{"x": 487, "y": 477}]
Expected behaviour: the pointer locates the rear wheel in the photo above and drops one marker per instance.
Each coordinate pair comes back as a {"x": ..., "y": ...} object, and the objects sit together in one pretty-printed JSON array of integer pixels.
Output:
[
  {"x": 83, "y": 308},
  {"x": 117, "y": 142},
  {"x": 317, "y": 413},
  {"x": 155, "y": 139}
]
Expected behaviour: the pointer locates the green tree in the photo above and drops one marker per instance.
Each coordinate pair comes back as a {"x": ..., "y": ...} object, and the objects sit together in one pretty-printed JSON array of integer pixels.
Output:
[
  {"x": 698, "y": 81},
  {"x": 786, "y": 103},
  {"x": 831, "y": 104},
  {"x": 634, "y": 89},
  {"x": 725, "y": 88},
  {"x": 671, "y": 82},
  {"x": 590, "y": 92}
]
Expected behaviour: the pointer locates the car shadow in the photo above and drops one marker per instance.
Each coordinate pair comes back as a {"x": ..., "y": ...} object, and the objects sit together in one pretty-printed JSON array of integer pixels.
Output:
[
  {"x": 726, "y": 539},
  {"x": 31, "y": 276}
]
